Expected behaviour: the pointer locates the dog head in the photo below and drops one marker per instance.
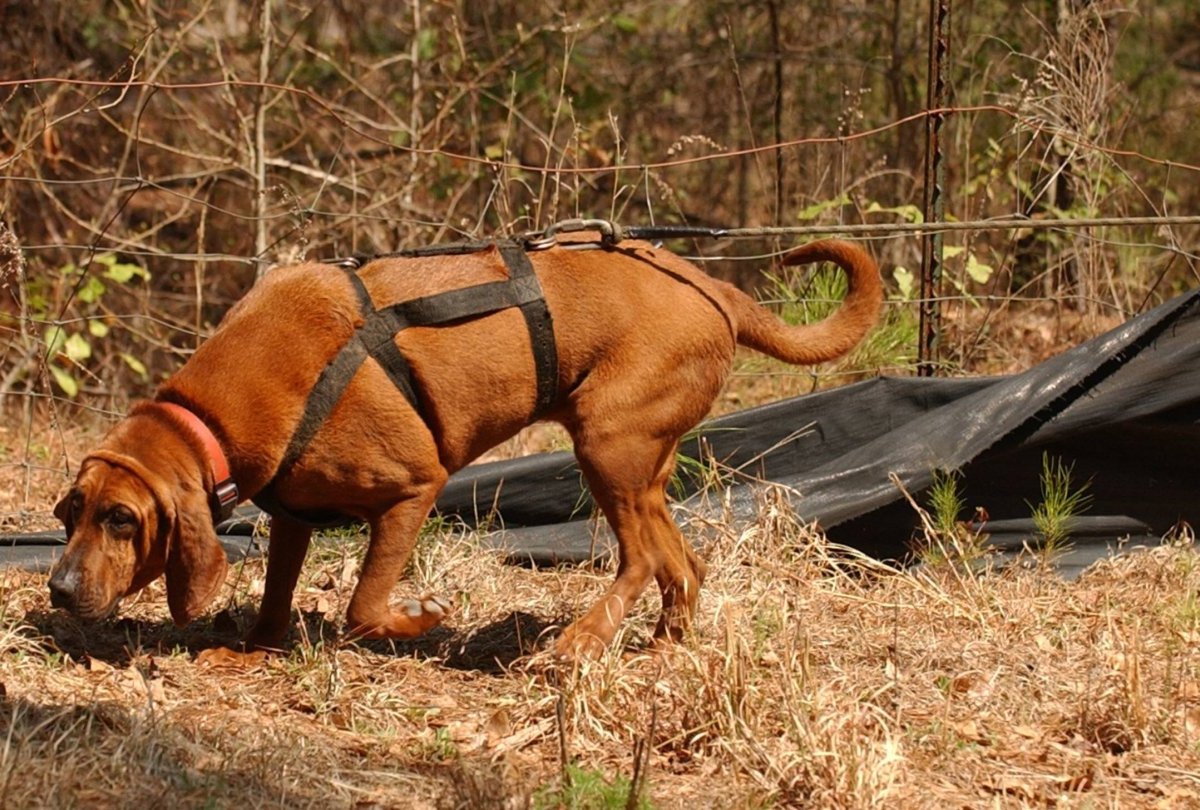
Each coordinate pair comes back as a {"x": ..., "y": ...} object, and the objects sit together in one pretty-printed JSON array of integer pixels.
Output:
[{"x": 138, "y": 509}]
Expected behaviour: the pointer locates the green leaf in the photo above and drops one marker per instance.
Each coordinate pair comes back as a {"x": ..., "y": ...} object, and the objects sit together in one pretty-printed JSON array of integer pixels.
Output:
[
  {"x": 65, "y": 381},
  {"x": 909, "y": 213},
  {"x": 55, "y": 337},
  {"x": 120, "y": 272},
  {"x": 91, "y": 290},
  {"x": 625, "y": 24},
  {"x": 138, "y": 366},
  {"x": 77, "y": 348},
  {"x": 904, "y": 280},
  {"x": 816, "y": 209},
  {"x": 427, "y": 44},
  {"x": 97, "y": 329},
  {"x": 977, "y": 270}
]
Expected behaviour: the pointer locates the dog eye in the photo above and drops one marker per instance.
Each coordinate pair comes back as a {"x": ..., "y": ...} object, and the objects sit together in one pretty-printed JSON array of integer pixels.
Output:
[{"x": 120, "y": 519}]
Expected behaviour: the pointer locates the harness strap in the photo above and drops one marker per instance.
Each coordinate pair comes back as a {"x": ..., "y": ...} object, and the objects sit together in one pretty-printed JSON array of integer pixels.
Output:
[
  {"x": 537, "y": 320},
  {"x": 376, "y": 339},
  {"x": 378, "y": 336}
]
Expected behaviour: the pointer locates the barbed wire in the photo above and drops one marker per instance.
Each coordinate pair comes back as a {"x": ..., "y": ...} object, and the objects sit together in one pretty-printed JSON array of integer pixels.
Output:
[{"x": 923, "y": 228}]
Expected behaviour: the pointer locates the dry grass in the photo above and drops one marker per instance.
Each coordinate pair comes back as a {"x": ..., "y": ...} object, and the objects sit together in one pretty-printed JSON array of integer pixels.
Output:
[{"x": 814, "y": 678}]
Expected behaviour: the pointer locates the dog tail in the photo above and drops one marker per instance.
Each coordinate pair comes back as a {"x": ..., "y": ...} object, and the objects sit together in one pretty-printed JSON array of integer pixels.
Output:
[{"x": 763, "y": 331}]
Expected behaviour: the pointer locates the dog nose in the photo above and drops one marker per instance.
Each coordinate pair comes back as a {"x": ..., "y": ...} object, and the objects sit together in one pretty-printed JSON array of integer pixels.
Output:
[{"x": 64, "y": 587}]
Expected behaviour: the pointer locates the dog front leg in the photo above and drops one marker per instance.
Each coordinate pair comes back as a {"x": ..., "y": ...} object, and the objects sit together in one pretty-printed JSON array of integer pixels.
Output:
[
  {"x": 287, "y": 546},
  {"x": 393, "y": 536}
]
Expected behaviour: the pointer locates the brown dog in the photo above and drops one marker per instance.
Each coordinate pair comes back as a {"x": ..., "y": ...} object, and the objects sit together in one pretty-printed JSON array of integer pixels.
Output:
[{"x": 644, "y": 344}]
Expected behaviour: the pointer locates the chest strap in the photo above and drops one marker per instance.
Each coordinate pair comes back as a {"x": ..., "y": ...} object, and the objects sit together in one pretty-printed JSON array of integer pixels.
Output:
[{"x": 376, "y": 338}]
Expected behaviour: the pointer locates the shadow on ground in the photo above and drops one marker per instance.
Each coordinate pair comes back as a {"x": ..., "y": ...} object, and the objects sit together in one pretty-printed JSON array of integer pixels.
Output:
[{"x": 492, "y": 648}]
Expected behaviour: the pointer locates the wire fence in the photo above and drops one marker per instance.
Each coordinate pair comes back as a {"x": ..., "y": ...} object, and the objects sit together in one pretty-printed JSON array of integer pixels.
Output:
[{"x": 307, "y": 220}]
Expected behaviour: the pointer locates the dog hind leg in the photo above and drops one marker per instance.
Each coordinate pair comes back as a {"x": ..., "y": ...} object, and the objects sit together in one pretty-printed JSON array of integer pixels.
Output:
[
  {"x": 628, "y": 479},
  {"x": 679, "y": 577}
]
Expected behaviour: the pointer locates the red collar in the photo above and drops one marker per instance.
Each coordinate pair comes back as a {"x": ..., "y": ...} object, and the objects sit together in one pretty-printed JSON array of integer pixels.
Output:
[{"x": 225, "y": 492}]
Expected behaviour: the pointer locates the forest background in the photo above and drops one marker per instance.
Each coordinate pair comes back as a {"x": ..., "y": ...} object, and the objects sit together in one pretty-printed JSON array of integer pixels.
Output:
[{"x": 157, "y": 157}]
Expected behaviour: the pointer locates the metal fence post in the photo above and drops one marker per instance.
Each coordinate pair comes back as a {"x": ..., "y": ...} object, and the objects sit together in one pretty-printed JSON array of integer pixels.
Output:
[{"x": 935, "y": 178}]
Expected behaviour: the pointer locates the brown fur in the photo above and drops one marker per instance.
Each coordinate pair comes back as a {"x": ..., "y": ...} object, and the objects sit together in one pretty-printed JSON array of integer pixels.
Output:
[{"x": 645, "y": 342}]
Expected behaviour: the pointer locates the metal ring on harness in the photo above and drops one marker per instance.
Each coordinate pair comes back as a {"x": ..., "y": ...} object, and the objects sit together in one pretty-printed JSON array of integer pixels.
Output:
[{"x": 610, "y": 232}]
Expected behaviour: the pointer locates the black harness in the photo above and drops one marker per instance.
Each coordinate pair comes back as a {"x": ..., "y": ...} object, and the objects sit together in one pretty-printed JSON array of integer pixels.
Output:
[{"x": 376, "y": 339}]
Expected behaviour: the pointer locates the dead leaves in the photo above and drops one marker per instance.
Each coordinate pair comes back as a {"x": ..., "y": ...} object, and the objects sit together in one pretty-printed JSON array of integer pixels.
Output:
[
  {"x": 1041, "y": 788},
  {"x": 225, "y": 658},
  {"x": 497, "y": 734},
  {"x": 142, "y": 678}
]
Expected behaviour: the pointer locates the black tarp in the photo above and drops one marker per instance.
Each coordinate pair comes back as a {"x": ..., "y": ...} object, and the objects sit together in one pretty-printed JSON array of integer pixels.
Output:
[{"x": 1121, "y": 408}]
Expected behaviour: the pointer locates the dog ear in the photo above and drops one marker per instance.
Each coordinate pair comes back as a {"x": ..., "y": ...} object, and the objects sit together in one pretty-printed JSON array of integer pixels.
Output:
[
  {"x": 63, "y": 511},
  {"x": 196, "y": 563}
]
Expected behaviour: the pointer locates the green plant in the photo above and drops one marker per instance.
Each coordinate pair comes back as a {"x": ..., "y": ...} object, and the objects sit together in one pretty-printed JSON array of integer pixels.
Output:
[
  {"x": 808, "y": 296},
  {"x": 947, "y": 537},
  {"x": 1061, "y": 503},
  {"x": 588, "y": 789},
  {"x": 1185, "y": 614},
  {"x": 946, "y": 501},
  {"x": 443, "y": 747},
  {"x": 68, "y": 349},
  {"x": 704, "y": 473}
]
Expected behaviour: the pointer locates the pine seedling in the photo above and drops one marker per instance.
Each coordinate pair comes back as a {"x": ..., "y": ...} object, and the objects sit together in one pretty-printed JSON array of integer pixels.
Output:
[{"x": 1061, "y": 503}]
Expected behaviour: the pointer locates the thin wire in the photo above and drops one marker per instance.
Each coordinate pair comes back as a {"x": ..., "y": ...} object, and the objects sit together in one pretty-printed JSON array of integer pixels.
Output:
[
  {"x": 921, "y": 228},
  {"x": 870, "y": 229}
]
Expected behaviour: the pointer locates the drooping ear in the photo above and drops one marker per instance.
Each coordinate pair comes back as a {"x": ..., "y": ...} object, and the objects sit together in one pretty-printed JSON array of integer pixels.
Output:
[
  {"x": 196, "y": 562},
  {"x": 62, "y": 511}
]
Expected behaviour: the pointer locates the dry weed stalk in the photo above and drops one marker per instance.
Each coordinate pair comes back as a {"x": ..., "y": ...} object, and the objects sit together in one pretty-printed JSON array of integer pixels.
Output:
[{"x": 1068, "y": 100}]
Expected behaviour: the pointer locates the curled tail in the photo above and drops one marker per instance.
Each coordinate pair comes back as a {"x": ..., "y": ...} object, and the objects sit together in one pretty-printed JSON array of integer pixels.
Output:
[{"x": 763, "y": 331}]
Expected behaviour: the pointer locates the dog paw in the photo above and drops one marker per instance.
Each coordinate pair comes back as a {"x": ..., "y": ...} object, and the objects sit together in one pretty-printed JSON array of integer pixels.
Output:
[
  {"x": 428, "y": 605},
  {"x": 576, "y": 645},
  {"x": 410, "y": 618}
]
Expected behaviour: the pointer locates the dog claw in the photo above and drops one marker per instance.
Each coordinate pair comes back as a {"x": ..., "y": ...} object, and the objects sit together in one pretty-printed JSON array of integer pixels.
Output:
[{"x": 438, "y": 606}]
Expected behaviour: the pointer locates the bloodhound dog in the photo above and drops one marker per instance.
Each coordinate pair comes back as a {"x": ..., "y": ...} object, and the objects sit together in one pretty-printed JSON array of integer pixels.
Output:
[{"x": 315, "y": 398}]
